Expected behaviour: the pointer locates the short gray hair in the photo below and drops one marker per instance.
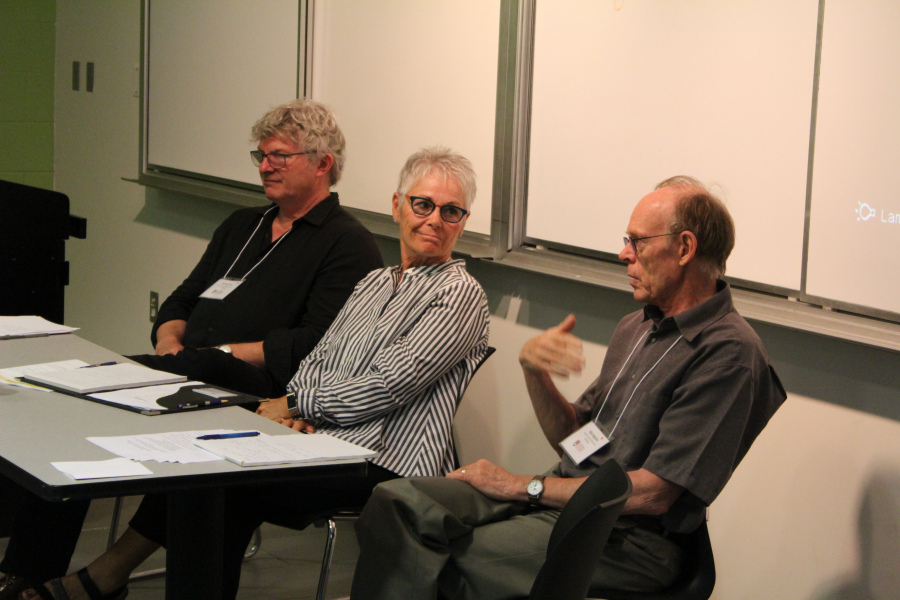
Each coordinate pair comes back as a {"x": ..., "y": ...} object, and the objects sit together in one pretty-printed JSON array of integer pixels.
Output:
[
  {"x": 307, "y": 122},
  {"x": 449, "y": 163},
  {"x": 705, "y": 215}
]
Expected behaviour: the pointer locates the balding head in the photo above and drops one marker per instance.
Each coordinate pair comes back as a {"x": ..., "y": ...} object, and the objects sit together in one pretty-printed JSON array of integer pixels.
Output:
[
  {"x": 668, "y": 264},
  {"x": 697, "y": 210}
]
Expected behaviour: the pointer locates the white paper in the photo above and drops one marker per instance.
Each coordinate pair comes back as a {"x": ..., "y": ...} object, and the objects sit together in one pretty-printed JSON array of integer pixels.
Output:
[
  {"x": 145, "y": 397},
  {"x": 174, "y": 446},
  {"x": 215, "y": 393},
  {"x": 106, "y": 377},
  {"x": 279, "y": 449},
  {"x": 9, "y": 375},
  {"x": 28, "y": 326},
  {"x": 99, "y": 469}
]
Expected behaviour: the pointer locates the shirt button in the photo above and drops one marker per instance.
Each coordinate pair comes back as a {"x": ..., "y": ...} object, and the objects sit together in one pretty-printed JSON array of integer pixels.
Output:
[
  {"x": 653, "y": 339},
  {"x": 633, "y": 375}
]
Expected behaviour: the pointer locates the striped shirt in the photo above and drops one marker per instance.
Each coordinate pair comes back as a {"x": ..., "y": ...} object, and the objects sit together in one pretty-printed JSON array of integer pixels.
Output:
[{"x": 391, "y": 369}]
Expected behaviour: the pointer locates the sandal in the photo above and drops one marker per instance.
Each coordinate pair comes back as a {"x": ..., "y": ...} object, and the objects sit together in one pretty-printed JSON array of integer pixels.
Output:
[
  {"x": 59, "y": 591},
  {"x": 13, "y": 585}
]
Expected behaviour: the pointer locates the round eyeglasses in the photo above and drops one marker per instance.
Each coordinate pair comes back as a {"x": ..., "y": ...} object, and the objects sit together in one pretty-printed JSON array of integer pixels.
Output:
[{"x": 425, "y": 206}]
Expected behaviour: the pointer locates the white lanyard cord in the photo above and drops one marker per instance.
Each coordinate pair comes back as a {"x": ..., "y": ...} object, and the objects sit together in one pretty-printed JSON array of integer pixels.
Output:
[
  {"x": 625, "y": 364},
  {"x": 259, "y": 262},
  {"x": 639, "y": 382}
]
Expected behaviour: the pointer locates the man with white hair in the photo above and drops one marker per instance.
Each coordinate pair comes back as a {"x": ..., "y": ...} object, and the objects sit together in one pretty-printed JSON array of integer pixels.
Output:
[
  {"x": 686, "y": 386},
  {"x": 273, "y": 278}
]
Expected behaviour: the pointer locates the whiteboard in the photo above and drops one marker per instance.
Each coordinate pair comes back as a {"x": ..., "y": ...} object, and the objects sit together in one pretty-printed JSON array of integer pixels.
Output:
[
  {"x": 214, "y": 68},
  {"x": 404, "y": 74},
  {"x": 855, "y": 214},
  {"x": 630, "y": 92}
]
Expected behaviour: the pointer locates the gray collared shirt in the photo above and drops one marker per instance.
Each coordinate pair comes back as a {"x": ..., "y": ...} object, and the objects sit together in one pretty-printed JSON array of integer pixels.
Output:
[{"x": 685, "y": 396}]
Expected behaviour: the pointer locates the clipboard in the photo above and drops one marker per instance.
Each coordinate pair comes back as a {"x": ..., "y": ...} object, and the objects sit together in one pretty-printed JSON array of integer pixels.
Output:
[{"x": 186, "y": 399}]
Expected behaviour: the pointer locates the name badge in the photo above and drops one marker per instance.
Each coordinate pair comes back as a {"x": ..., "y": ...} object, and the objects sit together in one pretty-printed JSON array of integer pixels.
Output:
[
  {"x": 584, "y": 442},
  {"x": 220, "y": 289}
]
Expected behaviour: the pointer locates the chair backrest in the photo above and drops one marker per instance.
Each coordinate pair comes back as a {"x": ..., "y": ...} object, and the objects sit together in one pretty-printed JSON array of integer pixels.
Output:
[
  {"x": 462, "y": 392},
  {"x": 580, "y": 534},
  {"x": 487, "y": 355},
  {"x": 696, "y": 580}
]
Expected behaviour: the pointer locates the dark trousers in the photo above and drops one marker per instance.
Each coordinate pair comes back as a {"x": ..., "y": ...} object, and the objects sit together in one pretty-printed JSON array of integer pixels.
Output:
[
  {"x": 293, "y": 505},
  {"x": 217, "y": 368},
  {"x": 43, "y": 535}
]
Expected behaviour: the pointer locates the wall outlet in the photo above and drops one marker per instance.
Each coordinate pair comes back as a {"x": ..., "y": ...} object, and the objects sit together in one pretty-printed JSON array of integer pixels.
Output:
[{"x": 154, "y": 306}]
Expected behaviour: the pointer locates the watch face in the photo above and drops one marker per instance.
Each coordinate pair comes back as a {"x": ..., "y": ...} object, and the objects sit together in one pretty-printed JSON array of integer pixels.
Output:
[{"x": 534, "y": 487}]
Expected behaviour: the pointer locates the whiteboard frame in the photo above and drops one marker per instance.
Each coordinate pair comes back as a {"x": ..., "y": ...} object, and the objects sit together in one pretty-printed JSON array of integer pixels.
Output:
[
  {"x": 507, "y": 243},
  {"x": 793, "y": 309}
]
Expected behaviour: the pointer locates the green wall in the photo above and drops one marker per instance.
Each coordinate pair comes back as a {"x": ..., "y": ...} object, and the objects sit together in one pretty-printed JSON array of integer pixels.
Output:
[{"x": 27, "y": 47}]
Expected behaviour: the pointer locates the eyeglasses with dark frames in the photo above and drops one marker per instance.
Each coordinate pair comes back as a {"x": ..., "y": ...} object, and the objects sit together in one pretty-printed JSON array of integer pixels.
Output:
[
  {"x": 425, "y": 206},
  {"x": 633, "y": 240},
  {"x": 277, "y": 160}
]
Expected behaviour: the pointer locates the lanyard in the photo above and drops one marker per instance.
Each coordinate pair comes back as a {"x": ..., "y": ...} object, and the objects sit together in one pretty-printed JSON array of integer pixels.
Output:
[
  {"x": 259, "y": 262},
  {"x": 622, "y": 414}
]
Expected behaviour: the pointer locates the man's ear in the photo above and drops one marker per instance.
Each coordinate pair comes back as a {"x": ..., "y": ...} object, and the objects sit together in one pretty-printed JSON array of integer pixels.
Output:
[
  {"x": 325, "y": 163},
  {"x": 687, "y": 247}
]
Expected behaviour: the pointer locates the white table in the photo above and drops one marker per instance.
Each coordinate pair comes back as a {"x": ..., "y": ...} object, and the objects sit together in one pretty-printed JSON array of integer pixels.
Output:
[{"x": 37, "y": 428}]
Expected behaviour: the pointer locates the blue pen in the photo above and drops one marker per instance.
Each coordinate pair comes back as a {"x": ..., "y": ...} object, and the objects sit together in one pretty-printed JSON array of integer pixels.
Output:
[
  {"x": 226, "y": 436},
  {"x": 104, "y": 364}
]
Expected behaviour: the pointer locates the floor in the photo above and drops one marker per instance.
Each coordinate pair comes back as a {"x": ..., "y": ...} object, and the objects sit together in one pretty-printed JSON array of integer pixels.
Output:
[{"x": 285, "y": 567}]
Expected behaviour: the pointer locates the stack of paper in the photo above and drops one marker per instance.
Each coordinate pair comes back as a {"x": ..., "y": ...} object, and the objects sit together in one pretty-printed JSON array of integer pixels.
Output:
[
  {"x": 172, "y": 446},
  {"x": 30, "y": 326},
  {"x": 11, "y": 375},
  {"x": 278, "y": 449},
  {"x": 88, "y": 380}
]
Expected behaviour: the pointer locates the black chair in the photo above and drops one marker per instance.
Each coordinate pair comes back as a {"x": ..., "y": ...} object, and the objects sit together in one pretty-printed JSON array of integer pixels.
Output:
[
  {"x": 580, "y": 534},
  {"x": 330, "y": 518},
  {"x": 697, "y": 578}
]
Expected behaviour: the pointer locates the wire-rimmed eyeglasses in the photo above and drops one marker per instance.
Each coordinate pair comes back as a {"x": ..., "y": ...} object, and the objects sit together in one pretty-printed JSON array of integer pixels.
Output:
[{"x": 633, "y": 240}]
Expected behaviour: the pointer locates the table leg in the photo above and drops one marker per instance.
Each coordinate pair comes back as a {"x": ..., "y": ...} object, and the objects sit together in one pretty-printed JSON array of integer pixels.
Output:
[{"x": 194, "y": 554}]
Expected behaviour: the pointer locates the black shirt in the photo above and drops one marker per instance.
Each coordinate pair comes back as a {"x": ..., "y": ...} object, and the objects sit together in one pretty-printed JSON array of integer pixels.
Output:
[{"x": 290, "y": 298}]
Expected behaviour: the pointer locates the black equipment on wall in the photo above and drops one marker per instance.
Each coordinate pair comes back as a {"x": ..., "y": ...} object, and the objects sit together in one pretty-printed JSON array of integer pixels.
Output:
[{"x": 34, "y": 225}]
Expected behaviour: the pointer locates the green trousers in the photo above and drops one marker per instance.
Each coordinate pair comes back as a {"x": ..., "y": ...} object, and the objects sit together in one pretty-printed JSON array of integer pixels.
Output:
[{"x": 434, "y": 537}]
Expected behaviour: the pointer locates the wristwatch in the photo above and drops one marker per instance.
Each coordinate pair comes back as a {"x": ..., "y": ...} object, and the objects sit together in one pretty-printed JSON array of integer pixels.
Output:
[
  {"x": 535, "y": 490},
  {"x": 292, "y": 403},
  {"x": 225, "y": 348}
]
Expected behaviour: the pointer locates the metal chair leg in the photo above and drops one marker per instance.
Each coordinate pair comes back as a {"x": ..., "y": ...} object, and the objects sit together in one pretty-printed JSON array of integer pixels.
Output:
[
  {"x": 114, "y": 523},
  {"x": 326, "y": 559},
  {"x": 255, "y": 543}
]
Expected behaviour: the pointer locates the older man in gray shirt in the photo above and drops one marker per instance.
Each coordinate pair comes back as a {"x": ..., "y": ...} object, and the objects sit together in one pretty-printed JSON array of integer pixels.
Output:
[{"x": 685, "y": 388}]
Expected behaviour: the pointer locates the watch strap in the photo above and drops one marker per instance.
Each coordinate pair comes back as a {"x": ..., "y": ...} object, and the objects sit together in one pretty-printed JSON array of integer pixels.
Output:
[
  {"x": 292, "y": 403},
  {"x": 535, "y": 499}
]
